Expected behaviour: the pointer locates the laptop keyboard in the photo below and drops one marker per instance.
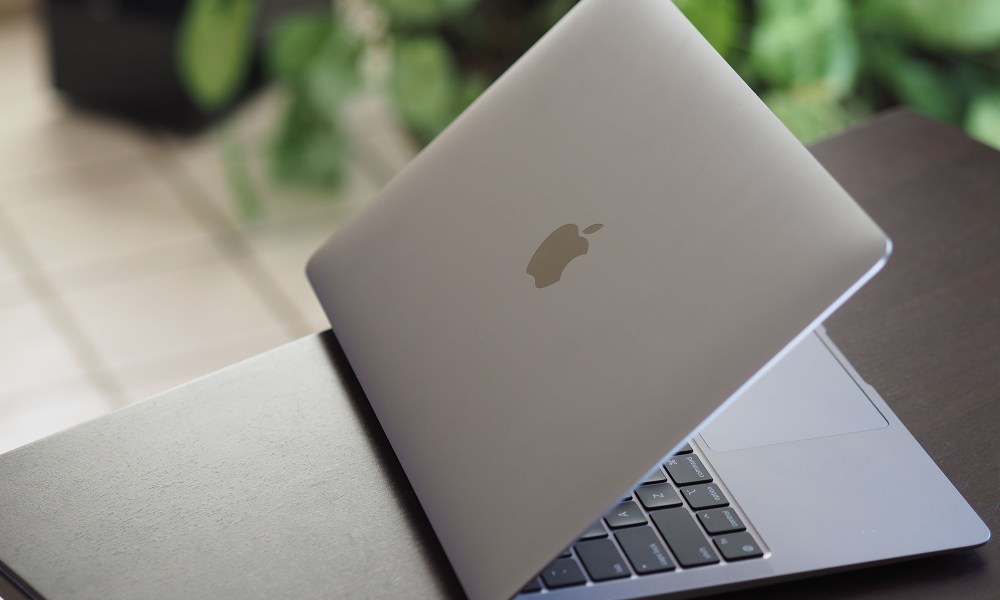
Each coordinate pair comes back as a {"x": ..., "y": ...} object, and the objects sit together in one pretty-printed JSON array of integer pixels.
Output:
[{"x": 678, "y": 518}]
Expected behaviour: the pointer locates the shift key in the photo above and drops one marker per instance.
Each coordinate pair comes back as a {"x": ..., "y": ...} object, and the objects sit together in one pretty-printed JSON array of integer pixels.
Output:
[
  {"x": 644, "y": 550},
  {"x": 684, "y": 537}
]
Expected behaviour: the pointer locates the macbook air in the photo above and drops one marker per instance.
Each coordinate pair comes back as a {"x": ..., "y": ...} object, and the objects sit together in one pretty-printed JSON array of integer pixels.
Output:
[{"x": 588, "y": 317}]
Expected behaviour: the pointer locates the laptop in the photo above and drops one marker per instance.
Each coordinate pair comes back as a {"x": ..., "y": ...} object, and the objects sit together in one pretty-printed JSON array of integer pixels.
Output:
[{"x": 588, "y": 318}]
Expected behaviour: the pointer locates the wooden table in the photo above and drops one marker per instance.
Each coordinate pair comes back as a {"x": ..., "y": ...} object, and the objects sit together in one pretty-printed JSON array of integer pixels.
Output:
[
  {"x": 926, "y": 331},
  {"x": 262, "y": 468}
]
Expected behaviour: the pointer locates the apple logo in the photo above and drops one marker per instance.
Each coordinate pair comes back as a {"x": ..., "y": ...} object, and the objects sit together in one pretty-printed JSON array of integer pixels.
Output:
[{"x": 561, "y": 247}]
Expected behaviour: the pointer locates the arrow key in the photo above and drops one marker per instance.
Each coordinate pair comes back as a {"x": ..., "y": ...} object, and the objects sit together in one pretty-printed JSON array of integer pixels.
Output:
[{"x": 721, "y": 520}]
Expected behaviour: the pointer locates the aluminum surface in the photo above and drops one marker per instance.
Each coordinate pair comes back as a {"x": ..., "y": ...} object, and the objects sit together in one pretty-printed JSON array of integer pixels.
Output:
[{"x": 723, "y": 241}]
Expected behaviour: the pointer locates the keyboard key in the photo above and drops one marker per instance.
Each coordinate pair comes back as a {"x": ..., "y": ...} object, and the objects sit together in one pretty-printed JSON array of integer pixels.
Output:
[
  {"x": 625, "y": 514},
  {"x": 687, "y": 469},
  {"x": 660, "y": 495},
  {"x": 685, "y": 449},
  {"x": 566, "y": 553},
  {"x": 644, "y": 550},
  {"x": 707, "y": 495},
  {"x": 737, "y": 546},
  {"x": 532, "y": 586},
  {"x": 602, "y": 560},
  {"x": 720, "y": 520},
  {"x": 563, "y": 572},
  {"x": 684, "y": 537},
  {"x": 596, "y": 530},
  {"x": 656, "y": 476}
]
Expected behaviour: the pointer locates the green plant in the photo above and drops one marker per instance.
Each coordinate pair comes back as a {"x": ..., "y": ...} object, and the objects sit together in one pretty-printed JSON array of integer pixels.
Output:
[
  {"x": 214, "y": 49},
  {"x": 316, "y": 59},
  {"x": 441, "y": 55},
  {"x": 820, "y": 65}
]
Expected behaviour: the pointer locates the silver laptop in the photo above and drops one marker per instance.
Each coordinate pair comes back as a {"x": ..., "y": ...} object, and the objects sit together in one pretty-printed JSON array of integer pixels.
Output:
[{"x": 615, "y": 247}]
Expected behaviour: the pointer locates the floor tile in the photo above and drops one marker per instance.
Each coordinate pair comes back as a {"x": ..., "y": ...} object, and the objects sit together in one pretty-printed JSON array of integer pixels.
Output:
[
  {"x": 166, "y": 314},
  {"x": 38, "y": 412},
  {"x": 7, "y": 269},
  {"x": 42, "y": 135},
  {"x": 135, "y": 238},
  {"x": 22, "y": 52},
  {"x": 12, "y": 292},
  {"x": 72, "y": 179},
  {"x": 111, "y": 222},
  {"x": 283, "y": 250},
  {"x": 139, "y": 265},
  {"x": 146, "y": 379},
  {"x": 32, "y": 351},
  {"x": 204, "y": 166}
]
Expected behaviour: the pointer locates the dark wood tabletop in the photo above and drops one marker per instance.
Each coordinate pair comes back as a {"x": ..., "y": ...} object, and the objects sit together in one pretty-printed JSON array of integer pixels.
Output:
[
  {"x": 925, "y": 331},
  {"x": 243, "y": 483}
]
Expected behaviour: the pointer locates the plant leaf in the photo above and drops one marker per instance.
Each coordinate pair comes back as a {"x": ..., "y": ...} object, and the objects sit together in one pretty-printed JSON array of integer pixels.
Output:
[
  {"x": 918, "y": 83},
  {"x": 983, "y": 118},
  {"x": 308, "y": 148},
  {"x": 471, "y": 88},
  {"x": 333, "y": 73},
  {"x": 415, "y": 13},
  {"x": 424, "y": 84},
  {"x": 317, "y": 57},
  {"x": 719, "y": 21},
  {"x": 957, "y": 25},
  {"x": 295, "y": 42},
  {"x": 214, "y": 49},
  {"x": 238, "y": 175},
  {"x": 806, "y": 43}
]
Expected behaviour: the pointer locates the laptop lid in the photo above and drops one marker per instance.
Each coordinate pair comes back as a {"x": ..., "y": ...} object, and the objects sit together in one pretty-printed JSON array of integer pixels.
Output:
[{"x": 611, "y": 242}]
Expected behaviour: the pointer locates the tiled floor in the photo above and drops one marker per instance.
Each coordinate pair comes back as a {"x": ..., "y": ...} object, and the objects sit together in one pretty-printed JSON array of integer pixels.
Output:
[{"x": 125, "y": 268}]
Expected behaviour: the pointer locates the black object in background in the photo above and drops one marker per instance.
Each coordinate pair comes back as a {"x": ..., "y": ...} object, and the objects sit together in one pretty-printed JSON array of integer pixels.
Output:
[{"x": 120, "y": 57}]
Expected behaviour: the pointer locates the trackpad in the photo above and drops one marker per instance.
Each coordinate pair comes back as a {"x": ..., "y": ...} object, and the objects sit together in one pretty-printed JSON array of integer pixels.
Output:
[{"x": 807, "y": 395}]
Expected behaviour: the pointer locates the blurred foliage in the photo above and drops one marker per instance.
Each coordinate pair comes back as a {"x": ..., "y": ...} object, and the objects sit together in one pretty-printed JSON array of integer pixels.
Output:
[
  {"x": 820, "y": 65},
  {"x": 214, "y": 48},
  {"x": 946, "y": 25},
  {"x": 316, "y": 59},
  {"x": 798, "y": 44},
  {"x": 720, "y": 21},
  {"x": 422, "y": 13}
]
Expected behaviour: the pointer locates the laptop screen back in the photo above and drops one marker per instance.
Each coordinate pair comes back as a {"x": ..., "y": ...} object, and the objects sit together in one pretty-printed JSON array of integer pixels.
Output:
[{"x": 607, "y": 245}]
